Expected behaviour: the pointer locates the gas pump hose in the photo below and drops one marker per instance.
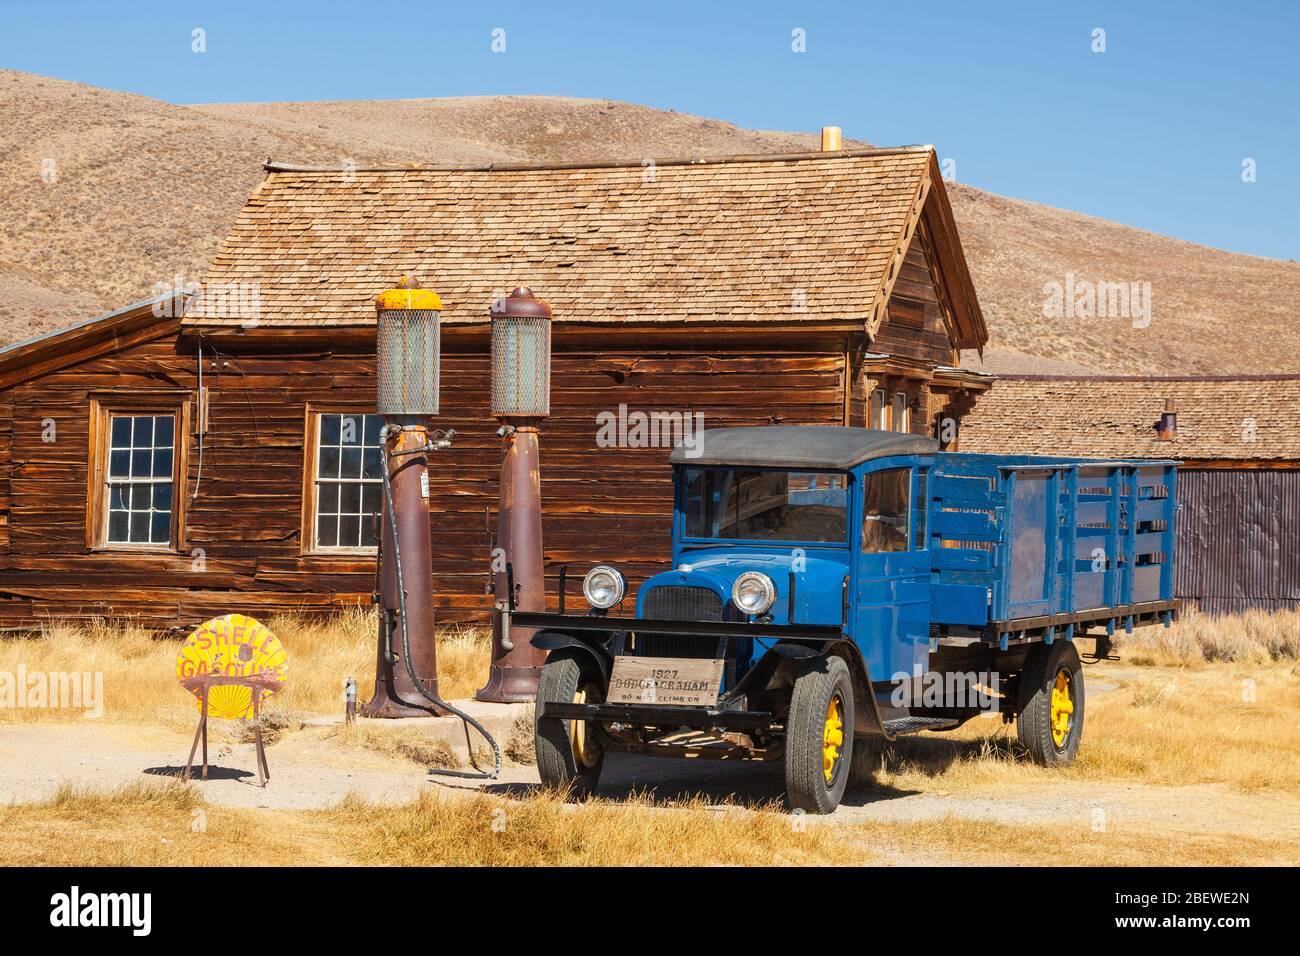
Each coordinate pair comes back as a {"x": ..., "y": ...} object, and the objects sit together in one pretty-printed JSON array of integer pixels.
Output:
[{"x": 466, "y": 720}]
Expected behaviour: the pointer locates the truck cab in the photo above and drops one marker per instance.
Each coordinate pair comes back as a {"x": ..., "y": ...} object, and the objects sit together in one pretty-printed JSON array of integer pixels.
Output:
[{"x": 830, "y": 586}]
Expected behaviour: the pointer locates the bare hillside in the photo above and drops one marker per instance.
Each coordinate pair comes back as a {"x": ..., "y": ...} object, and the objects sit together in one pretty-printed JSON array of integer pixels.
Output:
[{"x": 106, "y": 195}]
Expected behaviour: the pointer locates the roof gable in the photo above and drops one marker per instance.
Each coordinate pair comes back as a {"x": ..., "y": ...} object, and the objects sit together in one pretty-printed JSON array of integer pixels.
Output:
[{"x": 765, "y": 238}]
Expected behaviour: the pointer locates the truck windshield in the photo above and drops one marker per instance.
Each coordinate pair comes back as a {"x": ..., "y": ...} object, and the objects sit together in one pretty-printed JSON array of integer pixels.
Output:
[{"x": 766, "y": 505}]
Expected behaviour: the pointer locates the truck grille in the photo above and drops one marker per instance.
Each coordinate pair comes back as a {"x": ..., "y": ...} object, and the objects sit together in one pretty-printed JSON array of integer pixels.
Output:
[
  {"x": 680, "y": 603},
  {"x": 683, "y": 603}
]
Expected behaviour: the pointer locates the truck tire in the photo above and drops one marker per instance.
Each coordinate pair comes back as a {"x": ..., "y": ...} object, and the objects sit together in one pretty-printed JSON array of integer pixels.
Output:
[
  {"x": 819, "y": 735},
  {"x": 1050, "y": 724},
  {"x": 568, "y": 759}
]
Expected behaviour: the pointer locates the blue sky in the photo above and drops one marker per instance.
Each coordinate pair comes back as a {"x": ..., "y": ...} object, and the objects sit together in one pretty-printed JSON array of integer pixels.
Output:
[{"x": 1152, "y": 132}]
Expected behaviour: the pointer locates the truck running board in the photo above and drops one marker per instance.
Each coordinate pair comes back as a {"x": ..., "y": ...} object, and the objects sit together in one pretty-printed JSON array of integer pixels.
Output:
[{"x": 910, "y": 725}]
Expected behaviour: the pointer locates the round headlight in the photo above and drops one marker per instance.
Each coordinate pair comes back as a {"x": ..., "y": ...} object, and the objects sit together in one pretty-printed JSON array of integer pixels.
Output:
[
  {"x": 603, "y": 587},
  {"x": 753, "y": 592}
]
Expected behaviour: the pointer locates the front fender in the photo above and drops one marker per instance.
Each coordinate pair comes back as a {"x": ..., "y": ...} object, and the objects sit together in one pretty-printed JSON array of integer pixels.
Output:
[{"x": 557, "y": 640}]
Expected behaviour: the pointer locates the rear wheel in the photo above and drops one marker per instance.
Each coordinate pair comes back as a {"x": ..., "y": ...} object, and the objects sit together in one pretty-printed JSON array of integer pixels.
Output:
[
  {"x": 1050, "y": 725},
  {"x": 568, "y": 757},
  {"x": 819, "y": 735}
]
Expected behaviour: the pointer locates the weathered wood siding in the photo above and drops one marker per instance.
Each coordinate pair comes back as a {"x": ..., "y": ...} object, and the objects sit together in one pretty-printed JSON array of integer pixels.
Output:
[
  {"x": 930, "y": 344},
  {"x": 243, "y": 530}
]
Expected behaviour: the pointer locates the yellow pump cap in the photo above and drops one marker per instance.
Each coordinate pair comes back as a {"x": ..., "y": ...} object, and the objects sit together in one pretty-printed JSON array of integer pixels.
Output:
[{"x": 408, "y": 294}]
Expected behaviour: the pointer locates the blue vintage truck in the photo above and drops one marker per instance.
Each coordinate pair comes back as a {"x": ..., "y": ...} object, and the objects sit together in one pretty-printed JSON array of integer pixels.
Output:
[{"x": 832, "y": 585}]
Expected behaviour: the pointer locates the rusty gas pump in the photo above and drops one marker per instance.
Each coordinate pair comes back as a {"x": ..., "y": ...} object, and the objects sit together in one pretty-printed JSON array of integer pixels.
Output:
[
  {"x": 408, "y": 343},
  {"x": 521, "y": 400}
]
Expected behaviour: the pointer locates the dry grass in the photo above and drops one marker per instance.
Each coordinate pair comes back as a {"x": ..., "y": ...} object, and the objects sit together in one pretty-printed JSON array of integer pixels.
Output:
[
  {"x": 1255, "y": 637},
  {"x": 521, "y": 745},
  {"x": 1218, "y": 723},
  {"x": 395, "y": 740},
  {"x": 953, "y": 840},
  {"x": 139, "y": 670},
  {"x": 169, "y": 825}
]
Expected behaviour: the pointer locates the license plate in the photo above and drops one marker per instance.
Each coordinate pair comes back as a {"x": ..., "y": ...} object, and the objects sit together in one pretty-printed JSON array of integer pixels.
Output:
[{"x": 665, "y": 680}]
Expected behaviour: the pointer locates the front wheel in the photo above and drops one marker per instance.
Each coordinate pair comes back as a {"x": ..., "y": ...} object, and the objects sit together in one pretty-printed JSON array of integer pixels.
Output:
[
  {"x": 1050, "y": 725},
  {"x": 819, "y": 735},
  {"x": 568, "y": 756}
]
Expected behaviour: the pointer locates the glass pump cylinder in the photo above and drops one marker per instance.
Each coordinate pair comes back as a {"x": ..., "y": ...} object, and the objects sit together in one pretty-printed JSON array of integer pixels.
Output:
[
  {"x": 409, "y": 342},
  {"x": 521, "y": 356}
]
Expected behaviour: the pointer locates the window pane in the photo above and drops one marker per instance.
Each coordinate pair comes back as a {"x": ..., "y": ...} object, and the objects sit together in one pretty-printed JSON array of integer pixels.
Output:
[
  {"x": 349, "y": 462},
  {"x": 140, "y": 505},
  {"x": 162, "y": 431},
  {"x": 349, "y": 531},
  {"x": 351, "y": 429},
  {"x": 372, "y": 497},
  {"x": 327, "y": 534},
  {"x": 351, "y": 467},
  {"x": 765, "y": 505},
  {"x": 142, "y": 433},
  {"x": 885, "y": 510},
  {"x": 369, "y": 531},
  {"x": 329, "y": 429},
  {"x": 162, "y": 463},
  {"x": 327, "y": 498},
  {"x": 329, "y": 462}
]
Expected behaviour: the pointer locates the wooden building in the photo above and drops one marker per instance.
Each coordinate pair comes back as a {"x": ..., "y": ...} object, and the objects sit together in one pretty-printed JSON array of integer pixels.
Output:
[
  {"x": 1238, "y": 534},
  {"x": 172, "y": 467}
]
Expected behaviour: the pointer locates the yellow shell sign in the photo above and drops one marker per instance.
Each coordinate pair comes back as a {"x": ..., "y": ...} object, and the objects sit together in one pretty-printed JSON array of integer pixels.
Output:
[{"x": 231, "y": 647}]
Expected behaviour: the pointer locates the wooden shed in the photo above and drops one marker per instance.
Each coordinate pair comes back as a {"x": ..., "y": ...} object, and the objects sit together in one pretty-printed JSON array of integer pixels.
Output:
[
  {"x": 1238, "y": 533},
  {"x": 172, "y": 467}
]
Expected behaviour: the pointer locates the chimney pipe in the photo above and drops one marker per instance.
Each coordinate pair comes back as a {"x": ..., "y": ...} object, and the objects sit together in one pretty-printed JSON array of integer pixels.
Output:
[
  {"x": 1167, "y": 429},
  {"x": 831, "y": 139}
]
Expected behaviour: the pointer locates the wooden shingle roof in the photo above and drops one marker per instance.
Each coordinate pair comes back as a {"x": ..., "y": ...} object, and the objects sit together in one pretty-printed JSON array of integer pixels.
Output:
[
  {"x": 1243, "y": 418},
  {"x": 767, "y": 238}
]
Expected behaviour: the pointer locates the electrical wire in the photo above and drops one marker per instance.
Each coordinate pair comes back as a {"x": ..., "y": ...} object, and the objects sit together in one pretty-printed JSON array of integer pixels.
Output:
[
  {"x": 203, "y": 414},
  {"x": 466, "y": 720}
]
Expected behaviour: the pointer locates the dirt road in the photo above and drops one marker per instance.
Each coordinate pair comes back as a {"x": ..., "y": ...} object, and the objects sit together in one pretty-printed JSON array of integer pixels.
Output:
[{"x": 311, "y": 770}]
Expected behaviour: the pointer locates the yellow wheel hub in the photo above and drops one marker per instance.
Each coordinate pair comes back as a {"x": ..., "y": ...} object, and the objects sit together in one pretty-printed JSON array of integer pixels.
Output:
[
  {"x": 1062, "y": 712},
  {"x": 585, "y": 751},
  {"x": 832, "y": 737}
]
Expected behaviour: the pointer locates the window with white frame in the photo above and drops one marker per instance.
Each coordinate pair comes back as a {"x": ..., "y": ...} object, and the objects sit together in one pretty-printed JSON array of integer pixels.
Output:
[
  {"x": 348, "y": 488},
  {"x": 876, "y": 410},
  {"x": 901, "y": 419},
  {"x": 141, "y": 479}
]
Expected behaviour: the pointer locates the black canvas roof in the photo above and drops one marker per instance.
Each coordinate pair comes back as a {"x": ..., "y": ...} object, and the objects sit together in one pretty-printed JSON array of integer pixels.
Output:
[{"x": 799, "y": 446}]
